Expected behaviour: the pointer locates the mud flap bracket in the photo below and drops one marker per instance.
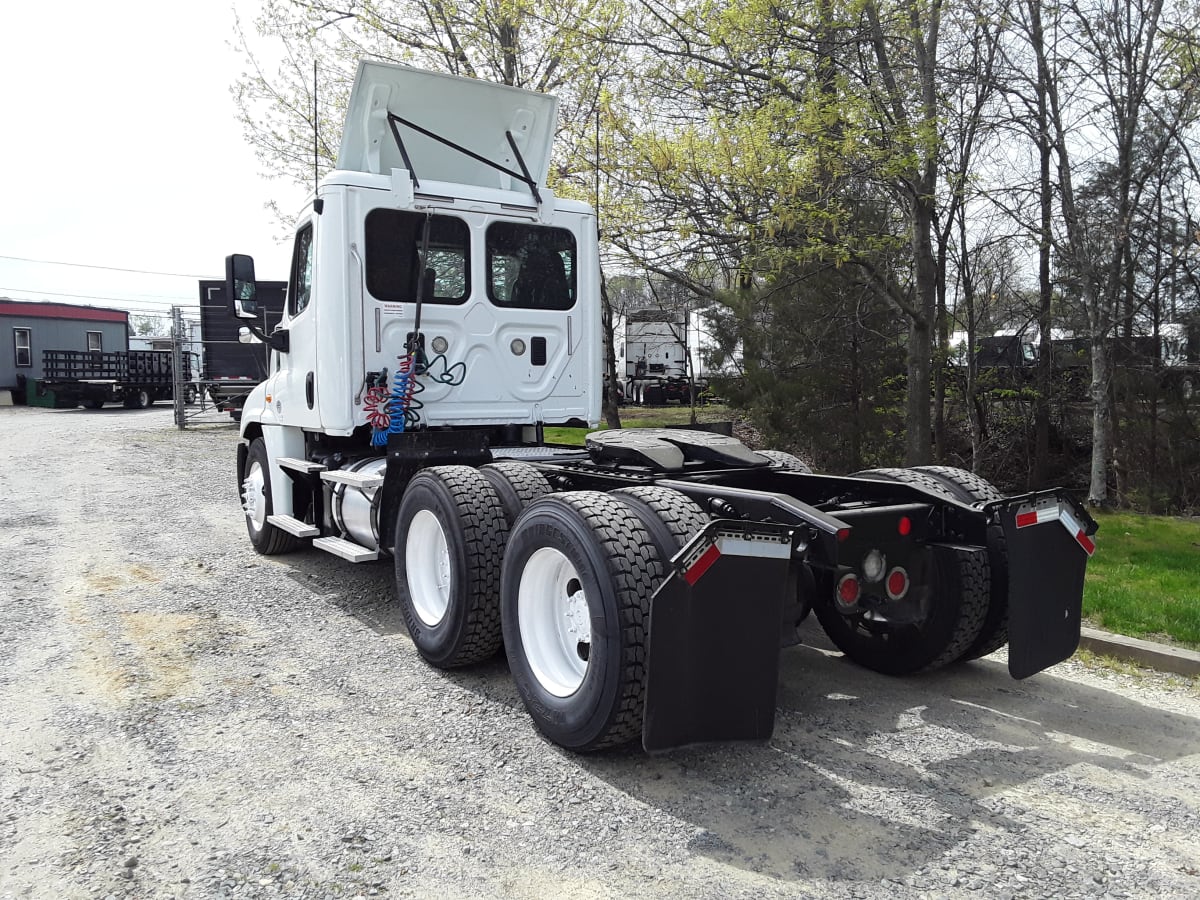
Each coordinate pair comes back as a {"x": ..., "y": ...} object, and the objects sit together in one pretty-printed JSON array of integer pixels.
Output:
[{"x": 713, "y": 642}]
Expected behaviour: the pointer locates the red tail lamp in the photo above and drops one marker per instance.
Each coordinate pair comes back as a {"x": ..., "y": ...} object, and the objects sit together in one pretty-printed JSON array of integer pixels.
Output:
[
  {"x": 848, "y": 589},
  {"x": 897, "y": 583},
  {"x": 904, "y": 526}
]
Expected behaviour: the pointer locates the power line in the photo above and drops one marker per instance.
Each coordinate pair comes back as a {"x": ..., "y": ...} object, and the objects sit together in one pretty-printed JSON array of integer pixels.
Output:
[
  {"x": 51, "y": 262},
  {"x": 177, "y": 301}
]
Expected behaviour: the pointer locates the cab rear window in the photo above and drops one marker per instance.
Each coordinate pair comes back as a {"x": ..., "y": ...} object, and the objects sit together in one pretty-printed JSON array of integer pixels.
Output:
[
  {"x": 530, "y": 266},
  {"x": 393, "y": 245}
]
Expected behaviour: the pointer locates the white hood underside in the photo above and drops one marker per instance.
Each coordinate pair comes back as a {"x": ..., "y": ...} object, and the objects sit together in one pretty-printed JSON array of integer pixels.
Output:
[{"x": 471, "y": 113}]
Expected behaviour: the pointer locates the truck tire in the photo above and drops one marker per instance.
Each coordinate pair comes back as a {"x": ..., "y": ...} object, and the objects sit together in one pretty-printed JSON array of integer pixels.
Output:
[
  {"x": 518, "y": 484},
  {"x": 671, "y": 518},
  {"x": 909, "y": 476},
  {"x": 258, "y": 505},
  {"x": 970, "y": 488},
  {"x": 959, "y": 588},
  {"x": 579, "y": 572},
  {"x": 93, "y": 404},
  {"x": 138, "y": 399},
  {"x": 190, "y": 394},
  {"x": 450, "y": 536},
  {"x": 786, "y": 461}
]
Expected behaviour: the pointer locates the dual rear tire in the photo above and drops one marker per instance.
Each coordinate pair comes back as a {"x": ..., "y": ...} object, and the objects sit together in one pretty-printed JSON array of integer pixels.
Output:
[
  {"x": 488, "y": 556},
  {"x": 965, "y": 613}
]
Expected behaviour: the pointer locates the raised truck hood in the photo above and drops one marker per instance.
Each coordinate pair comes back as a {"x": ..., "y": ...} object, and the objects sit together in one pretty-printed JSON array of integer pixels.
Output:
[{"x": 470, "y": 113}]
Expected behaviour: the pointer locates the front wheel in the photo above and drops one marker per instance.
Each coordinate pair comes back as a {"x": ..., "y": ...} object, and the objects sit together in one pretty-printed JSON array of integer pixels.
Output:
[
  {"x": 450, "y": 536},
  {"x": 579, "y": 572},
  {"x": 258, "y": 504}
]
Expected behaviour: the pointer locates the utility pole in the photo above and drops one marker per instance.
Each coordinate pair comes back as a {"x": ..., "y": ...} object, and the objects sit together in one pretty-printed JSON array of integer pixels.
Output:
[{"x": 178, "y": 381}]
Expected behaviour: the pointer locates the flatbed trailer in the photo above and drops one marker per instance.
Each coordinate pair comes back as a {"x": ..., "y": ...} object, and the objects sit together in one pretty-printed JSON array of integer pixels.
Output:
[{"x": 134, "y": 378}]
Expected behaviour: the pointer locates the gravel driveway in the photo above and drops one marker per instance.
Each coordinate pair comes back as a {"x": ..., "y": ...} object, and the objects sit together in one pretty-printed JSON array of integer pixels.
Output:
[{"x": 181, "y": 717}]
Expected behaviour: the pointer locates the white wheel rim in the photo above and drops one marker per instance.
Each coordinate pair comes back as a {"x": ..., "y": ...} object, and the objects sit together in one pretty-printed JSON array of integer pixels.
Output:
[
  {"x": 427, "y": 563},
  {"x": 254, "y": 496},
  {"x": 555, "y": 623}
]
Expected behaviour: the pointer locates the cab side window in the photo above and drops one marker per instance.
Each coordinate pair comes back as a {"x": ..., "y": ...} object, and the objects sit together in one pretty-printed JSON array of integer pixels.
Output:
[{"x": 300, "y": 285}]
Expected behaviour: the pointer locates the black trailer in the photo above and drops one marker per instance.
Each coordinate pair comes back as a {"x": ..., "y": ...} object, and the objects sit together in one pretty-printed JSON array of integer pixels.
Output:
[
  {"x": 231, "y": 368},
  {"x": 134, "y": 378}
]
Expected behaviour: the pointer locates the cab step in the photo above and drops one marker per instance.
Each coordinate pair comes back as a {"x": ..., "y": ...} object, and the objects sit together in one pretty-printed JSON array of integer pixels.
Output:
[
  {"x": 299, "y": 465},
  {"x": 353, "y": 479},
  {"x": 349, "y": 550},
  {"x": 294, "y": 526}
]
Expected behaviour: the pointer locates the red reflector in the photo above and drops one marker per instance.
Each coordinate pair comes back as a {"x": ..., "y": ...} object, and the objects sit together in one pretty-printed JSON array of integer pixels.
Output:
[
  {"x": 701, "y": 565},
  {"x": 848, "y": 589},
  {"x": 1024, "y": 520},
  {"x": 843, "y": 534},
  {"x": 897, "y": 584},
  {"x": 904, "y": 526},
  {"x": 1086, "y": 543}
]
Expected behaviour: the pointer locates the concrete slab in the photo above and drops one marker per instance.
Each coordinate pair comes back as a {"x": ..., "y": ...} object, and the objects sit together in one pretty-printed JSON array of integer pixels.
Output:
[{"x": 1146, "y": 653}]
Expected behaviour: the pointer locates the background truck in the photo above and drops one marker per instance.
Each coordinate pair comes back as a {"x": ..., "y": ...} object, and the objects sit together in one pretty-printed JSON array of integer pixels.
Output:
[
  {"x": 231, "y": 368},
  {"x": 656, "y": 358},
  {"x": 444, "y": 307},
  {"x": 134, "y": 378}
]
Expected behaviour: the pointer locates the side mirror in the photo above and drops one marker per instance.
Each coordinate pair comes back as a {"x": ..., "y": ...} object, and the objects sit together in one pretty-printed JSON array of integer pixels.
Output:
[
  {"x": 240, "y": 288},
  {"x": 246, "y": 336}
]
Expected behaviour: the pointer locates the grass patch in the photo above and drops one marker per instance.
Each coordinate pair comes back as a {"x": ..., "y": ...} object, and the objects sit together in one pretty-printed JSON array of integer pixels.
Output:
[
  {"x": 644, "y": 417},
  {"x": 1144, "y": 580}
]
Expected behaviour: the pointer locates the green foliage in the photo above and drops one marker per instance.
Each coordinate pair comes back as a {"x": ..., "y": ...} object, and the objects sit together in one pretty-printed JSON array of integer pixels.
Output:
[
  {"x": 1144, "y": 577},
  {"x": 635, "y": 417},
  {"x": 819, "y": 357}
]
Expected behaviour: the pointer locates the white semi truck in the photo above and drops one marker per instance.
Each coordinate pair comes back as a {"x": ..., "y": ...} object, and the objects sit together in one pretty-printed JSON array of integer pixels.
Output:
[
  {"x": 655, "y": 352},
  {"x": 442, "y": 307}
]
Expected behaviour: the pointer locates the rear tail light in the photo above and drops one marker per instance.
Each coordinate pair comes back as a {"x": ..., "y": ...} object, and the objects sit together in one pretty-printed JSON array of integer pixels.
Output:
[
  {"x": 904, "y": 526},
  {"x": 847, "y": 589},
  {"x": 896, "y": 584}
]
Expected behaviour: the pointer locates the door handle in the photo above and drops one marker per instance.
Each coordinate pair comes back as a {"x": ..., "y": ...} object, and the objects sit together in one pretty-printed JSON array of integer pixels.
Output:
[{"x": 309, "y": 392}]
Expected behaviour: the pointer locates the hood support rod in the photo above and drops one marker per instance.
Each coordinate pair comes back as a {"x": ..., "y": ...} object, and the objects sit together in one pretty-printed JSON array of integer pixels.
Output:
[{"x": 523, "y": 176}]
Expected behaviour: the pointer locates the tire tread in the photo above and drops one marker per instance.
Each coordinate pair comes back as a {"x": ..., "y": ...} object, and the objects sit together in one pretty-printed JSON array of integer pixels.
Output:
[
  {"x": 485, "y": 532},
  {"x": 974, "y": 489}
]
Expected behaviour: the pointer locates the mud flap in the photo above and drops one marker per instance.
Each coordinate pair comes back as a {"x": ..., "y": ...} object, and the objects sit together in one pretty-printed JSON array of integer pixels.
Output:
[
  {"x": 1049, "y": 543},
  {"x": 713, "y": 642}
]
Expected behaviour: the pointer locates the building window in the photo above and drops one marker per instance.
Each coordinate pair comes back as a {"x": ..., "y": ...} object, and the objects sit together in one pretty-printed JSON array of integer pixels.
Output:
[
  {"x": 95, "y": 340},
  {"x": 22, "y": 344}
]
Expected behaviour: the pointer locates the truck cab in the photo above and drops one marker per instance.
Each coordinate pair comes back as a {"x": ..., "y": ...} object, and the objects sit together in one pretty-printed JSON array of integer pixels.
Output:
[{"x": 427, "y": 195}]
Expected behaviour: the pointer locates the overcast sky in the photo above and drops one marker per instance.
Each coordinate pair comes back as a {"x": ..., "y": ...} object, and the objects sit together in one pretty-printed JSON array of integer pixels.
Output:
[{"x": 119, "y": 148}]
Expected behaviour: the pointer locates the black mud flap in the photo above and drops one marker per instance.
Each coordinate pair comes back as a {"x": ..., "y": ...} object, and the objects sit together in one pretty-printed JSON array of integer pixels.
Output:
[
  {"x": 1049, "y": 543},
  {"x": 713, "y": 644}
]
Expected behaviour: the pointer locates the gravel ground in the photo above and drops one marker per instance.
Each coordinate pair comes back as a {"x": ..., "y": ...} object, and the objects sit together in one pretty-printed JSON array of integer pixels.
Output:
[{"x": 181, "y": 717}]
